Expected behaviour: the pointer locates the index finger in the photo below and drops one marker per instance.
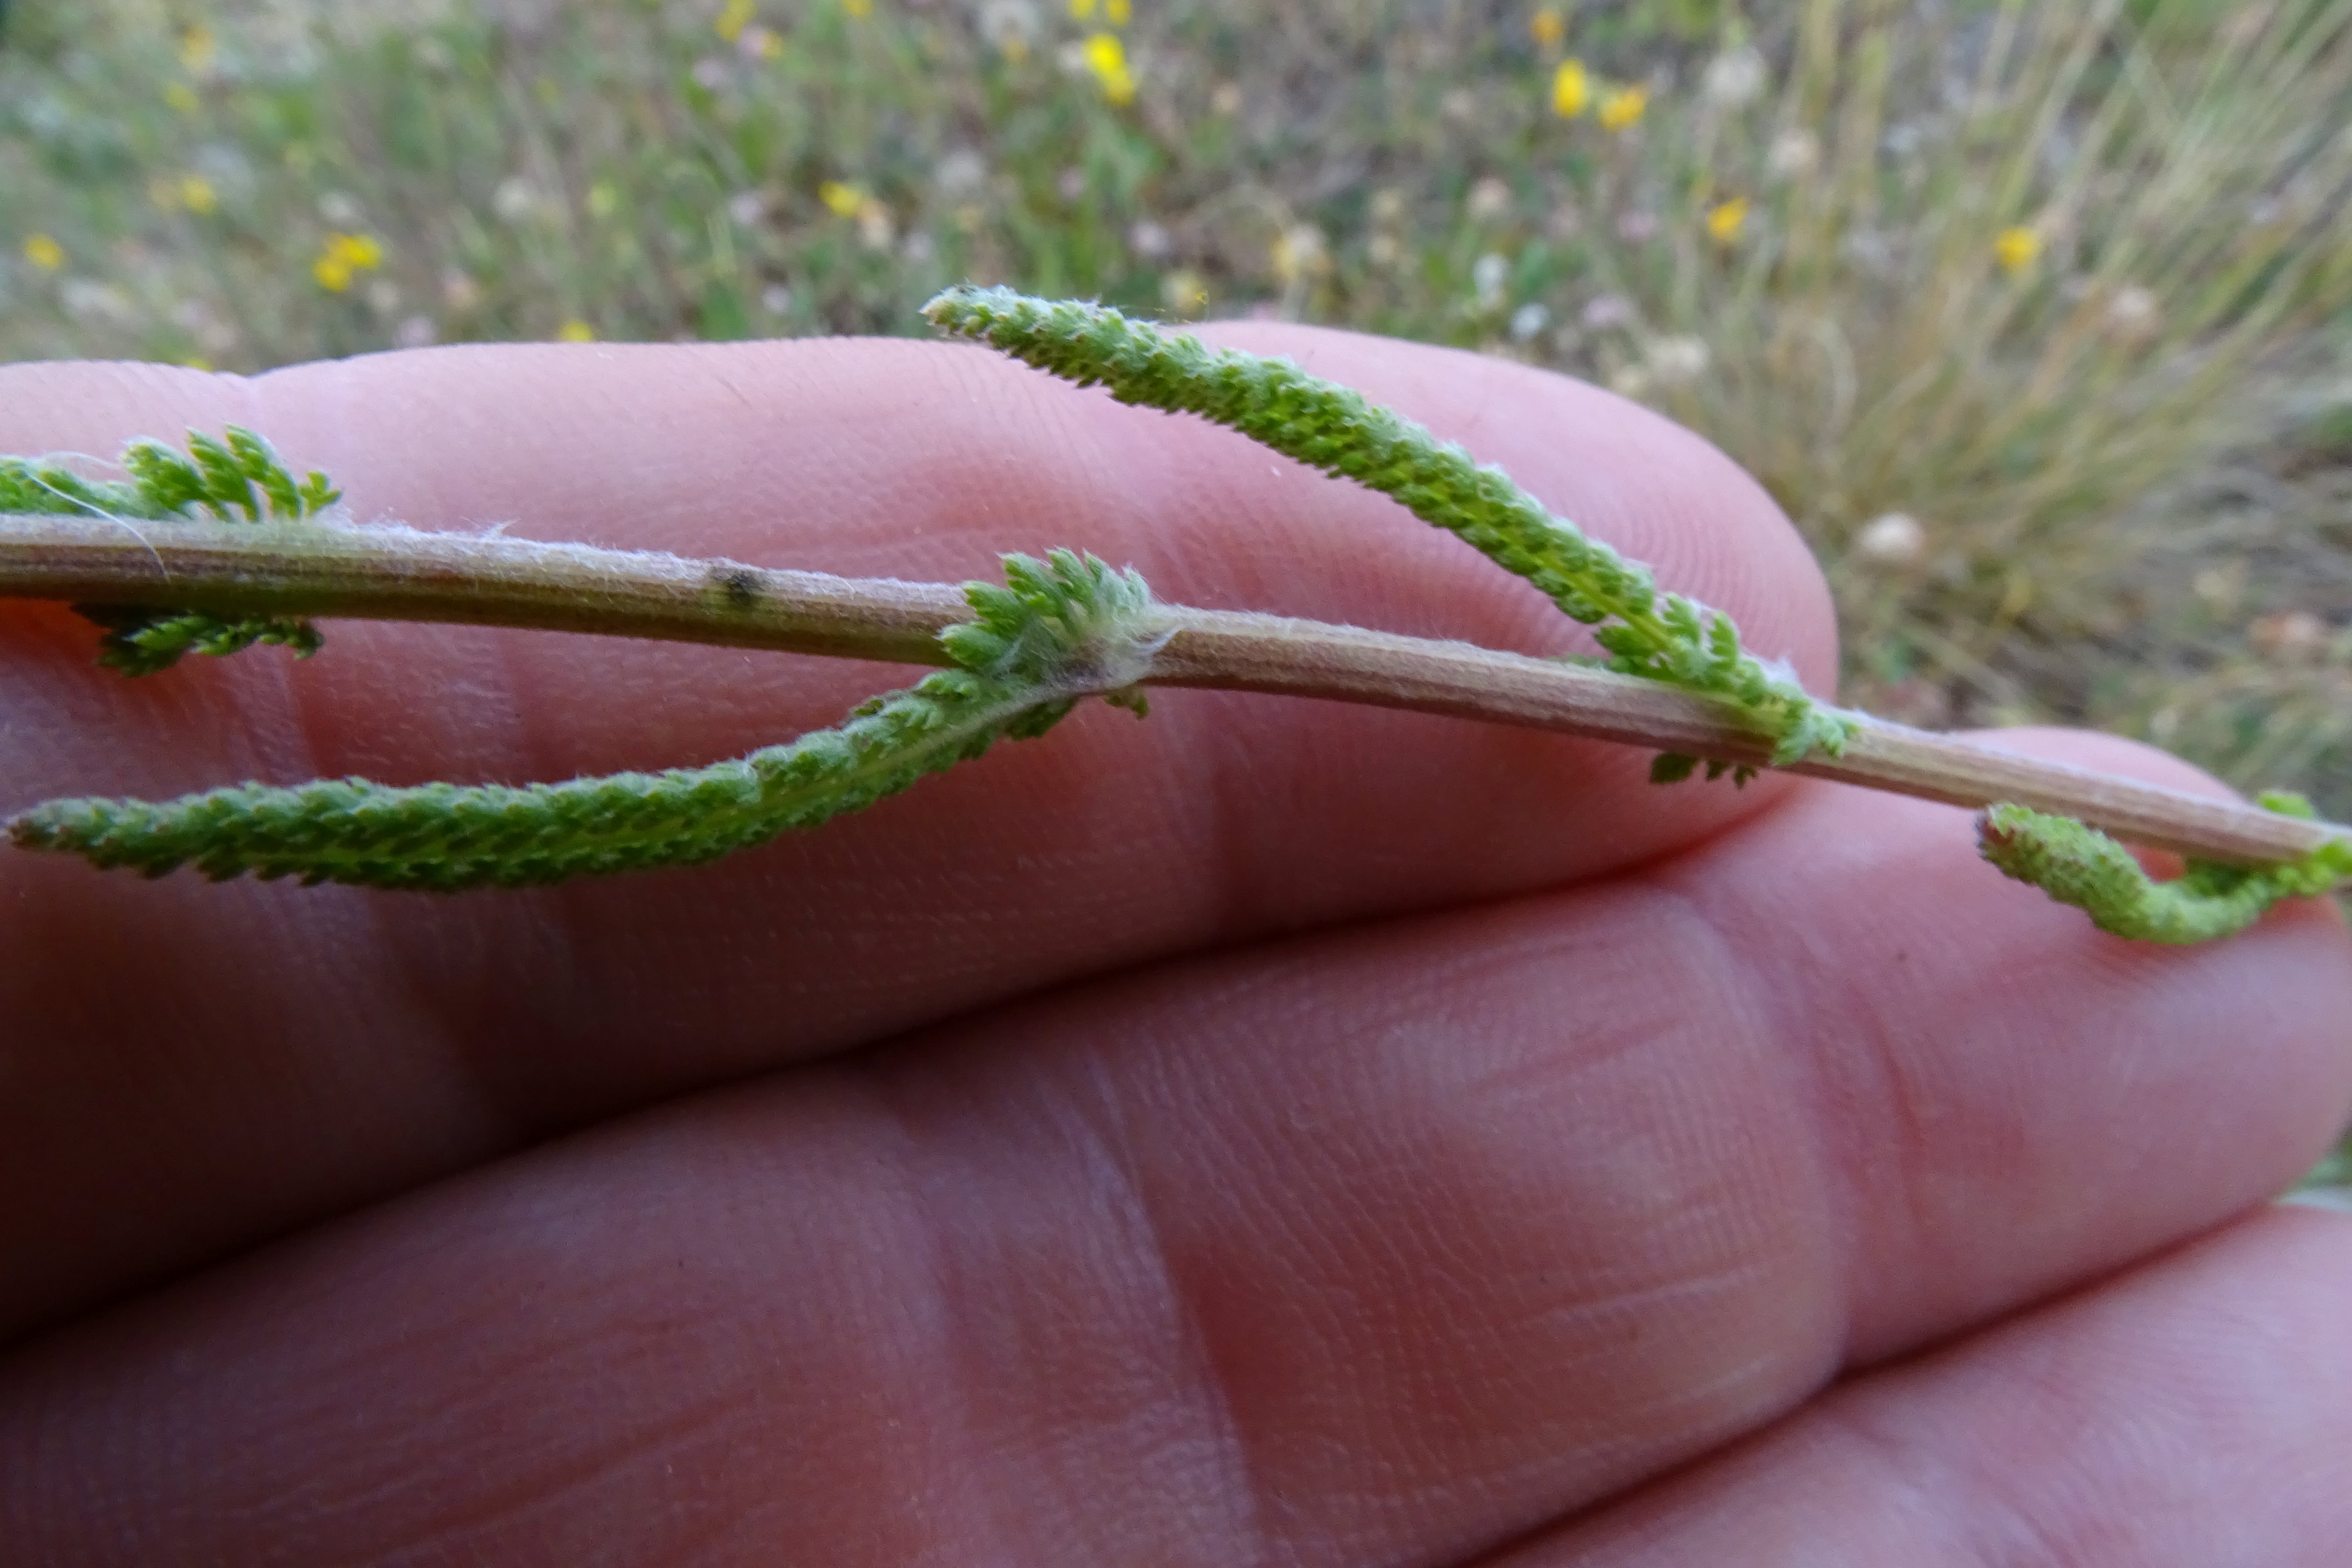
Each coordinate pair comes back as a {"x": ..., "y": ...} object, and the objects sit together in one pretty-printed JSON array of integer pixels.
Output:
[{"x": 267, "y": 1054}]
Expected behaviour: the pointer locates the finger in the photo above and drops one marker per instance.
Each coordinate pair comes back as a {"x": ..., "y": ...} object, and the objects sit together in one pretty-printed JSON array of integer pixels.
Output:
[
  {"x": 1385, "y": 1244},
  {"x": 260, "y": 1055},
  {"x": 2194, "y": 1412}
]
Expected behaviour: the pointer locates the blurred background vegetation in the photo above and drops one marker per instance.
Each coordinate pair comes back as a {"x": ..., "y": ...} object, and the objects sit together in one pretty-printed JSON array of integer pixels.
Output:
[{"x": 2036, "y": 317}]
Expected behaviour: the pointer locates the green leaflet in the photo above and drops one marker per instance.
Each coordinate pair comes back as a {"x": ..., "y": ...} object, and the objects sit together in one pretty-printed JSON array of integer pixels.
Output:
[
  {"x": 1664, "y": 637},
  {"x": 1060, "y": 629},
  {"x": 141, "y": 641},
  {"x": 2078, "y": 865},
  {"x": 236, "y": 479}
]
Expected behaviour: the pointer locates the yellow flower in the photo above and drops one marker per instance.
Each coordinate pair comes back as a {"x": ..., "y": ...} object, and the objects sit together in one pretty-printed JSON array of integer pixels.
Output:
[
  {"x": 1622, "y": 110},
  {"x": 342, "y": 258},
  {"x": 1115, "y": 12},
  {"x": 844, "y": 200},
  {"x": 604, "y": 199},
  {"x": 1724, "y": 221},
  {"x": 1082, "y": 10},
  {"x": 858, "y": 7},
  {"x": 1572, "y": 89},
  {"x": 197, "y": 47},
  {"x": 735, "y": 19},
  {"x": 182, "y": 96},
  {"x": 357, "y": 251},
  {"x": 45, "y": 253},
  {"x": 2016, "y": 249},
  {"x": 1107, "y": 60},
  {"x": 576, "y": 331},
  {"x": 1545, "y": 27},
  {"x": 197, "y": 361},
  {"x": 196, "y": 194}
]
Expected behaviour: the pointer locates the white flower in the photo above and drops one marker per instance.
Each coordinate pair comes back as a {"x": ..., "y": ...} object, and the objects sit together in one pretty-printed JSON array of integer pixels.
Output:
[
  {"x": 1674, "y": 361},
  {"x": 961, "y": 173},
  {"x": 415, "y": 332},
  {"x": 2289, "y": 637},
  {"x": 1606, "y": 311},
  {"x": 1528, "y": 321},
  {"x": 1489, "y": 199},
  {"x": 86, "y": 300},
  {"x": 1299, "y": 251},
  {"x": 2132, "y": 314},
  {"x": 1794, "y": 153},
  {"x": 1009, "y": 23},
  {"x": 1488, "y": 276},
  {"x": 1184, "y": 292},
  {"x": 747, "y": 208},
  {"x": 1892, "y": 539},
  {"x": 516, "y": 199},
  {"x": 1148, "y": 239},
  {"x": 1734, "y": 79}
]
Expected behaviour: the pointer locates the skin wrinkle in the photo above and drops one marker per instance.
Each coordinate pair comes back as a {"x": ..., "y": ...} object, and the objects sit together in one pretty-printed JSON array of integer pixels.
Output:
[
  {"x": 1843, "y": 1136},
  {"x": 1197, "y": 1378},
  {"x": 915, "y": 1108},
  {"x": 1853, "y": 1096},
  {"x": 1755, "y": 995},
  {"x": 1414, "y": 1260},
  {"x": 1997, "y": 1528},
  {"x": 2049, "y": 1440}
]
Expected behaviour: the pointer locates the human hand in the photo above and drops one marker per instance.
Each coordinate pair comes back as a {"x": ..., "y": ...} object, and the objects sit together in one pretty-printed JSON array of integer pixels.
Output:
[{"x": 1276, "y": 1132}]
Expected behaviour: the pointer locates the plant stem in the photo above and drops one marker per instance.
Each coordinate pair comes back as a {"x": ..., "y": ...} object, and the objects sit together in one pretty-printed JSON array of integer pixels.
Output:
[{"x": 397, "y": 573}]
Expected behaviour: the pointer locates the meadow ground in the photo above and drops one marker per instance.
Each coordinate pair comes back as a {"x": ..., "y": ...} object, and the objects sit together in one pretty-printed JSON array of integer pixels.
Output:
[{"x": 2036, "y": 317}]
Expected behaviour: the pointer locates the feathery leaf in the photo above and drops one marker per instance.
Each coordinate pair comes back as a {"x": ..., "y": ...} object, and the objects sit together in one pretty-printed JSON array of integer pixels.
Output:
[
  {"x": 1328, "y": 427},
  {"x": 2078, "y": 865},
  {"x": 1061, "y": 629}
]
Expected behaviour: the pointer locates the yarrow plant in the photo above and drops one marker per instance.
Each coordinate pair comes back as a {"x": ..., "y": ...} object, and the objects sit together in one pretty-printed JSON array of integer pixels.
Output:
[{"x": 226, "y": 547}]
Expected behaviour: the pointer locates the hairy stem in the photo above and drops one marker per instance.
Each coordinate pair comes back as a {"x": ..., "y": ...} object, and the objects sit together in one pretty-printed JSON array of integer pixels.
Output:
[{"x": 393, "y": 573}]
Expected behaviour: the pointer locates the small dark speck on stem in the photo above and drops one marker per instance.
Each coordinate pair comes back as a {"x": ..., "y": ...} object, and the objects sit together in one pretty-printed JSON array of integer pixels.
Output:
[{"x": 741, "y": 584}]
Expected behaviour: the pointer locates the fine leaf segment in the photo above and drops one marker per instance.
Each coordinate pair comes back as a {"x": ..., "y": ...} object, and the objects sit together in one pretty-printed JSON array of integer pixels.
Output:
[
  {"x": 236, "y": 479},
  {"x": 1057, "y": 631}
]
